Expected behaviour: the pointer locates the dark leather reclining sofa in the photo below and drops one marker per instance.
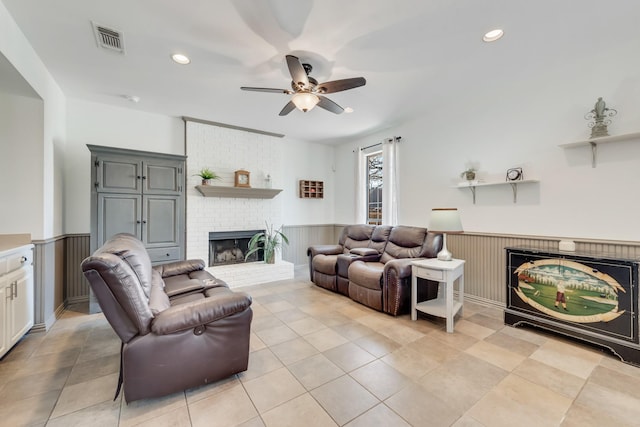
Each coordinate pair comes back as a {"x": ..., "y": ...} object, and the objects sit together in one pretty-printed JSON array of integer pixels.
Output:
[
  {"x": 180, "y": 327},
  {"x": 372, "y": 265}
]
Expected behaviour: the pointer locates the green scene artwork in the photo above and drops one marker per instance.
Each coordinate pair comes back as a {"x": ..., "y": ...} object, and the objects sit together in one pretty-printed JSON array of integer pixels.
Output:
[{"x": 569, "y": 290}]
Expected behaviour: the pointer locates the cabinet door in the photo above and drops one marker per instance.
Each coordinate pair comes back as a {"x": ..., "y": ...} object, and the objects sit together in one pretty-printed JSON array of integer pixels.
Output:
[
  {"x": 162, "y": 177},
  {"x": 162, "y": 220},
  {"x": 5, "y": 294},
  {"x": 21, "y": 308},
  {"x": 118, "y": 175},
  {"x": 118, "y": 213}
]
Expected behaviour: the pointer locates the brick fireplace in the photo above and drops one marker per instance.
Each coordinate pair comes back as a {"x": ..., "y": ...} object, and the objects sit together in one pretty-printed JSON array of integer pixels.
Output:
[{"x": 225, "y": 150}]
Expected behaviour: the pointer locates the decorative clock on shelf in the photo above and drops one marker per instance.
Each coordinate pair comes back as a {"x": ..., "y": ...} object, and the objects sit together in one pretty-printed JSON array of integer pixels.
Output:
[
  {"x": 514, "y": 174},
  {"x": 242, "y": 178}
]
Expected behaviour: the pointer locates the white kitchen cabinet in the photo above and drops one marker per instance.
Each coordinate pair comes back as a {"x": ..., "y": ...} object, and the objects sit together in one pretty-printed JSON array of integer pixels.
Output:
[{"x": 16, "y": 295}]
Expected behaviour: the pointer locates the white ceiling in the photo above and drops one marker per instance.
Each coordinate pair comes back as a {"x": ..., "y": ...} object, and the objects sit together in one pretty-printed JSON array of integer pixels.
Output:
[{"x": 415, "y": 54}]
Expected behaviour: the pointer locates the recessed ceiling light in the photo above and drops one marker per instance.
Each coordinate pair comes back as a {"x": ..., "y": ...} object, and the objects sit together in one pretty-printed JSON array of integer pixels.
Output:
[
  {"x": 132, "y": 98},
  {"x": 348, "y": 110},
  {"x": 493, "y": 35},
  {"x": 180, "y": 58}
]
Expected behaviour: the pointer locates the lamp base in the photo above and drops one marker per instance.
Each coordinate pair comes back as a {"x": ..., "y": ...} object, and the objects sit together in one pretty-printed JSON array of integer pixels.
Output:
[{"x": 444, "y": 254}]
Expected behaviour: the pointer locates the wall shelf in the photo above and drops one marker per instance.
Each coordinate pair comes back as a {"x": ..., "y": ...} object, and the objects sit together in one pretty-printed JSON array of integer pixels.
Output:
[
  {"x": 237, "y": 192},
  {"x": 594, "y": 142},
  {"x": 311, "y": 189},
  {"x": 514, "y": 186}
]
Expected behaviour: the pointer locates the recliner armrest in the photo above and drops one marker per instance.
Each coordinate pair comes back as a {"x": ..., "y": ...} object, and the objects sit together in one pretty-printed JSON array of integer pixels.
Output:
[
  {"x": 201, "y": 312},
  {"x": 179, "y": 267},
  {"x": 364, "y": 252},
  {"x": 401, "y": 266},
  {"x": 324, "y": 250}
]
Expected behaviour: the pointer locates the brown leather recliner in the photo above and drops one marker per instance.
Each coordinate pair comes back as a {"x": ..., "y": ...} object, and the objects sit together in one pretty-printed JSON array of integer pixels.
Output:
[
  {"x": 323, "y": 258},
  {"x": 385, "y": 283},
  {"x": 180, "y": 327}
]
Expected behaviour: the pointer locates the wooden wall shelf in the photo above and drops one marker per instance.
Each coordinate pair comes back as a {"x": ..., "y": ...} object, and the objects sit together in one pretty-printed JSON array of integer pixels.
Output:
[
  {"x": 514, "y": 186},
  {"x": 311, "y": 189},
  {"x": 237, "y": 192},
  {"x": 594, "y": 142}
]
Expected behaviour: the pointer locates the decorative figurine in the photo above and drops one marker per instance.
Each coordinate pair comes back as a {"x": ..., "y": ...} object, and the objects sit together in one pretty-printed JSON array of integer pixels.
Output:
[{"x": 600, "y": 116}]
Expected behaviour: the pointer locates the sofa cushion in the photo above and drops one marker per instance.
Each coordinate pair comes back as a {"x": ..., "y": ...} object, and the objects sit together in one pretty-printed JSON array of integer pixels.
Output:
[
  {"x": 325, "y": 263},
  {"x": 366, "y": 274},
  {"x": 356, "y": 236},
  {"x": 181, "y": 284},
  {"x": 132, "y": 251},
  {"x": 158, "y": 299},
  {"x": 404, "y": 242}
]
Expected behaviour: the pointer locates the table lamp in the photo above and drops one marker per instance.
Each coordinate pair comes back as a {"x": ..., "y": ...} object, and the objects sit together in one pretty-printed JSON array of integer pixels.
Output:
[{"x": 445, "y": 220}]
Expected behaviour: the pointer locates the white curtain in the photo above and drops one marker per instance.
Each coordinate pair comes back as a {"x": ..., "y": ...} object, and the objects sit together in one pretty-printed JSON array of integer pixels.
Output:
[
  {"x": 360, "y": 181},
  {"x": 390, "y": 181}
]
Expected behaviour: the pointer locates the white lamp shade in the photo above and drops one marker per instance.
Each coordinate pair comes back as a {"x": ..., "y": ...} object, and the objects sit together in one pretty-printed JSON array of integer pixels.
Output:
[
  {"x": 445, "y": 220},
  {"x": 305, "y": 101}
]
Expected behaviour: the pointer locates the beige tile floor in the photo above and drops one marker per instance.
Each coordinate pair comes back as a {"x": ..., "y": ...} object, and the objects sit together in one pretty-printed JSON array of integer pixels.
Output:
[{"x": 319, "y": 359}]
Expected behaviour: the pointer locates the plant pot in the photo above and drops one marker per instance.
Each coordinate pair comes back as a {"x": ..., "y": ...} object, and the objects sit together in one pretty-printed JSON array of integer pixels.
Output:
[
  {"x": 206, "y": 181},
  {"x": 270, "y": 258},
  {"x": 470, "y": 176}
]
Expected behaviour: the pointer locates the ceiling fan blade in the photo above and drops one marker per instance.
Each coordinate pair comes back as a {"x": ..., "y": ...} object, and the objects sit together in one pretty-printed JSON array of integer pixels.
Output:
[
  {"x": 298, "y": 74},
  {"x": 288, "y": 108},
  {"x": 329, "y": 105},
  {"x": 267, "y": 89},
  {"x": 340, "y": 85}
]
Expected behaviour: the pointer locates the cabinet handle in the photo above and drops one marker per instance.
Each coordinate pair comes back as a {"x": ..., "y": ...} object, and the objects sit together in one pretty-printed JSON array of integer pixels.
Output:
[
  {"x": 14, "y": 292},
  {"x": 168, "y": 255},
  {"x": 139, "y": 177},
  {"x": 144, "y": 221},
  {"x": 144, "y": 177},
  {"x": 138, "y": 222},
  {"x": 23, "y": 259}
]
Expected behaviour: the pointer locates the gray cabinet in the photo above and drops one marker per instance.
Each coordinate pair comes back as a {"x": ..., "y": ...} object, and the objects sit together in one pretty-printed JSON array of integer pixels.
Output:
[{"x": 141, "y": 193}]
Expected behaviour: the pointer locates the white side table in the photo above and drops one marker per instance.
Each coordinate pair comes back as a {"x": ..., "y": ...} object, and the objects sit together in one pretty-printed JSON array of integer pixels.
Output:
[{"x": 446, "y": 273}]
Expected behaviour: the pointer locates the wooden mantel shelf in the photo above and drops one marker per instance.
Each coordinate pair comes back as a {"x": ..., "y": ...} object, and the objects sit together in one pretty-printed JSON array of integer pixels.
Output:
[{"x": 240, "y": 192}]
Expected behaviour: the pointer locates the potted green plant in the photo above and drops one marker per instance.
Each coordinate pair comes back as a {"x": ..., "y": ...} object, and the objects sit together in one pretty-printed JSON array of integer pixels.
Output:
[
  {"x": 207, "y": 175},
  {"x": 469, "y": 174},
  {"x": 269, "y": 240}
]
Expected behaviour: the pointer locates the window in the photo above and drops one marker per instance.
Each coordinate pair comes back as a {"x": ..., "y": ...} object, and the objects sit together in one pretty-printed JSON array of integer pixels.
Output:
[{"x": 374, "y": 188}]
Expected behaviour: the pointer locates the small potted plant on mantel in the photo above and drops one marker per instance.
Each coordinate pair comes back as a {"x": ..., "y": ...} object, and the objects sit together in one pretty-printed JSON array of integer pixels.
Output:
[
  {"x": 270, "y": 241},
  {"x": 469, "y": 174},
  {"x": 207, "y": 175}
]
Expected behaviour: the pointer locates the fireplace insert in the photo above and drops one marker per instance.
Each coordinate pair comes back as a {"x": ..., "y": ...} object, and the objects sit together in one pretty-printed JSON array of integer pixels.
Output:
[
  {"x": 586, "y": 296},
  {"x": 229, "y": 247}
]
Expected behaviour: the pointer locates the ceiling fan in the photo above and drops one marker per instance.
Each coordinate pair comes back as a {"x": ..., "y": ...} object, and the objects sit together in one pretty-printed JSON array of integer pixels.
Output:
[{"x": 307, "y": 92}]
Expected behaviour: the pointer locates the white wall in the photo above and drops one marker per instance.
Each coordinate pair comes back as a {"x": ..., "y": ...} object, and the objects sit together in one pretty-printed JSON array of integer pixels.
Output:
[
  {"x": 100, "y": 124},
  {"x": 308, "y": 161},
  {"x": 49, "y": 190},
  {"x": 21, "y": 164},
  {"x": 507, "y": 128}
]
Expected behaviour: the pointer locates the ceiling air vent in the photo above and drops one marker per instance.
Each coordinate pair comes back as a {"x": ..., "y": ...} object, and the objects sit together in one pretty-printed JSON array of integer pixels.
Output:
[{"x": 108, "y": 38}]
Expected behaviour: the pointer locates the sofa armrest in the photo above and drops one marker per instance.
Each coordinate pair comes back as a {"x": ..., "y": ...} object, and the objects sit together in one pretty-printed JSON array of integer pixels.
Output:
[
  {"x": 179, "y": 267},
  {"x": 324, "y": 250},
  {"x": 401, "y": 267},
  {"x": 396, "y": 291},
  {"x": 364, "y": 252},
  {"x": 200, "y": 312}
]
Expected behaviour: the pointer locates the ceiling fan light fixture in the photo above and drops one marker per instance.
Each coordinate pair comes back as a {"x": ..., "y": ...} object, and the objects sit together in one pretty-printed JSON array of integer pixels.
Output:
[
  {"x": 180, "y": 59},
  {"x": 305, "y": 101},
  {"x": 493, "y": 35}
]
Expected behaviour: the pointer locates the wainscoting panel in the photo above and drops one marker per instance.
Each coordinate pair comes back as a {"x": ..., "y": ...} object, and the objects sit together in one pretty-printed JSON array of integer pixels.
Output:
[
  {"x": 302, "y": 236},
  {"x": 77, "y": 249}
]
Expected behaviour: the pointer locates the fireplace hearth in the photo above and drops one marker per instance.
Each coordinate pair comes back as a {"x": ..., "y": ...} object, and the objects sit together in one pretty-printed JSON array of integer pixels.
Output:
[{"x": 229, "y": 247}]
